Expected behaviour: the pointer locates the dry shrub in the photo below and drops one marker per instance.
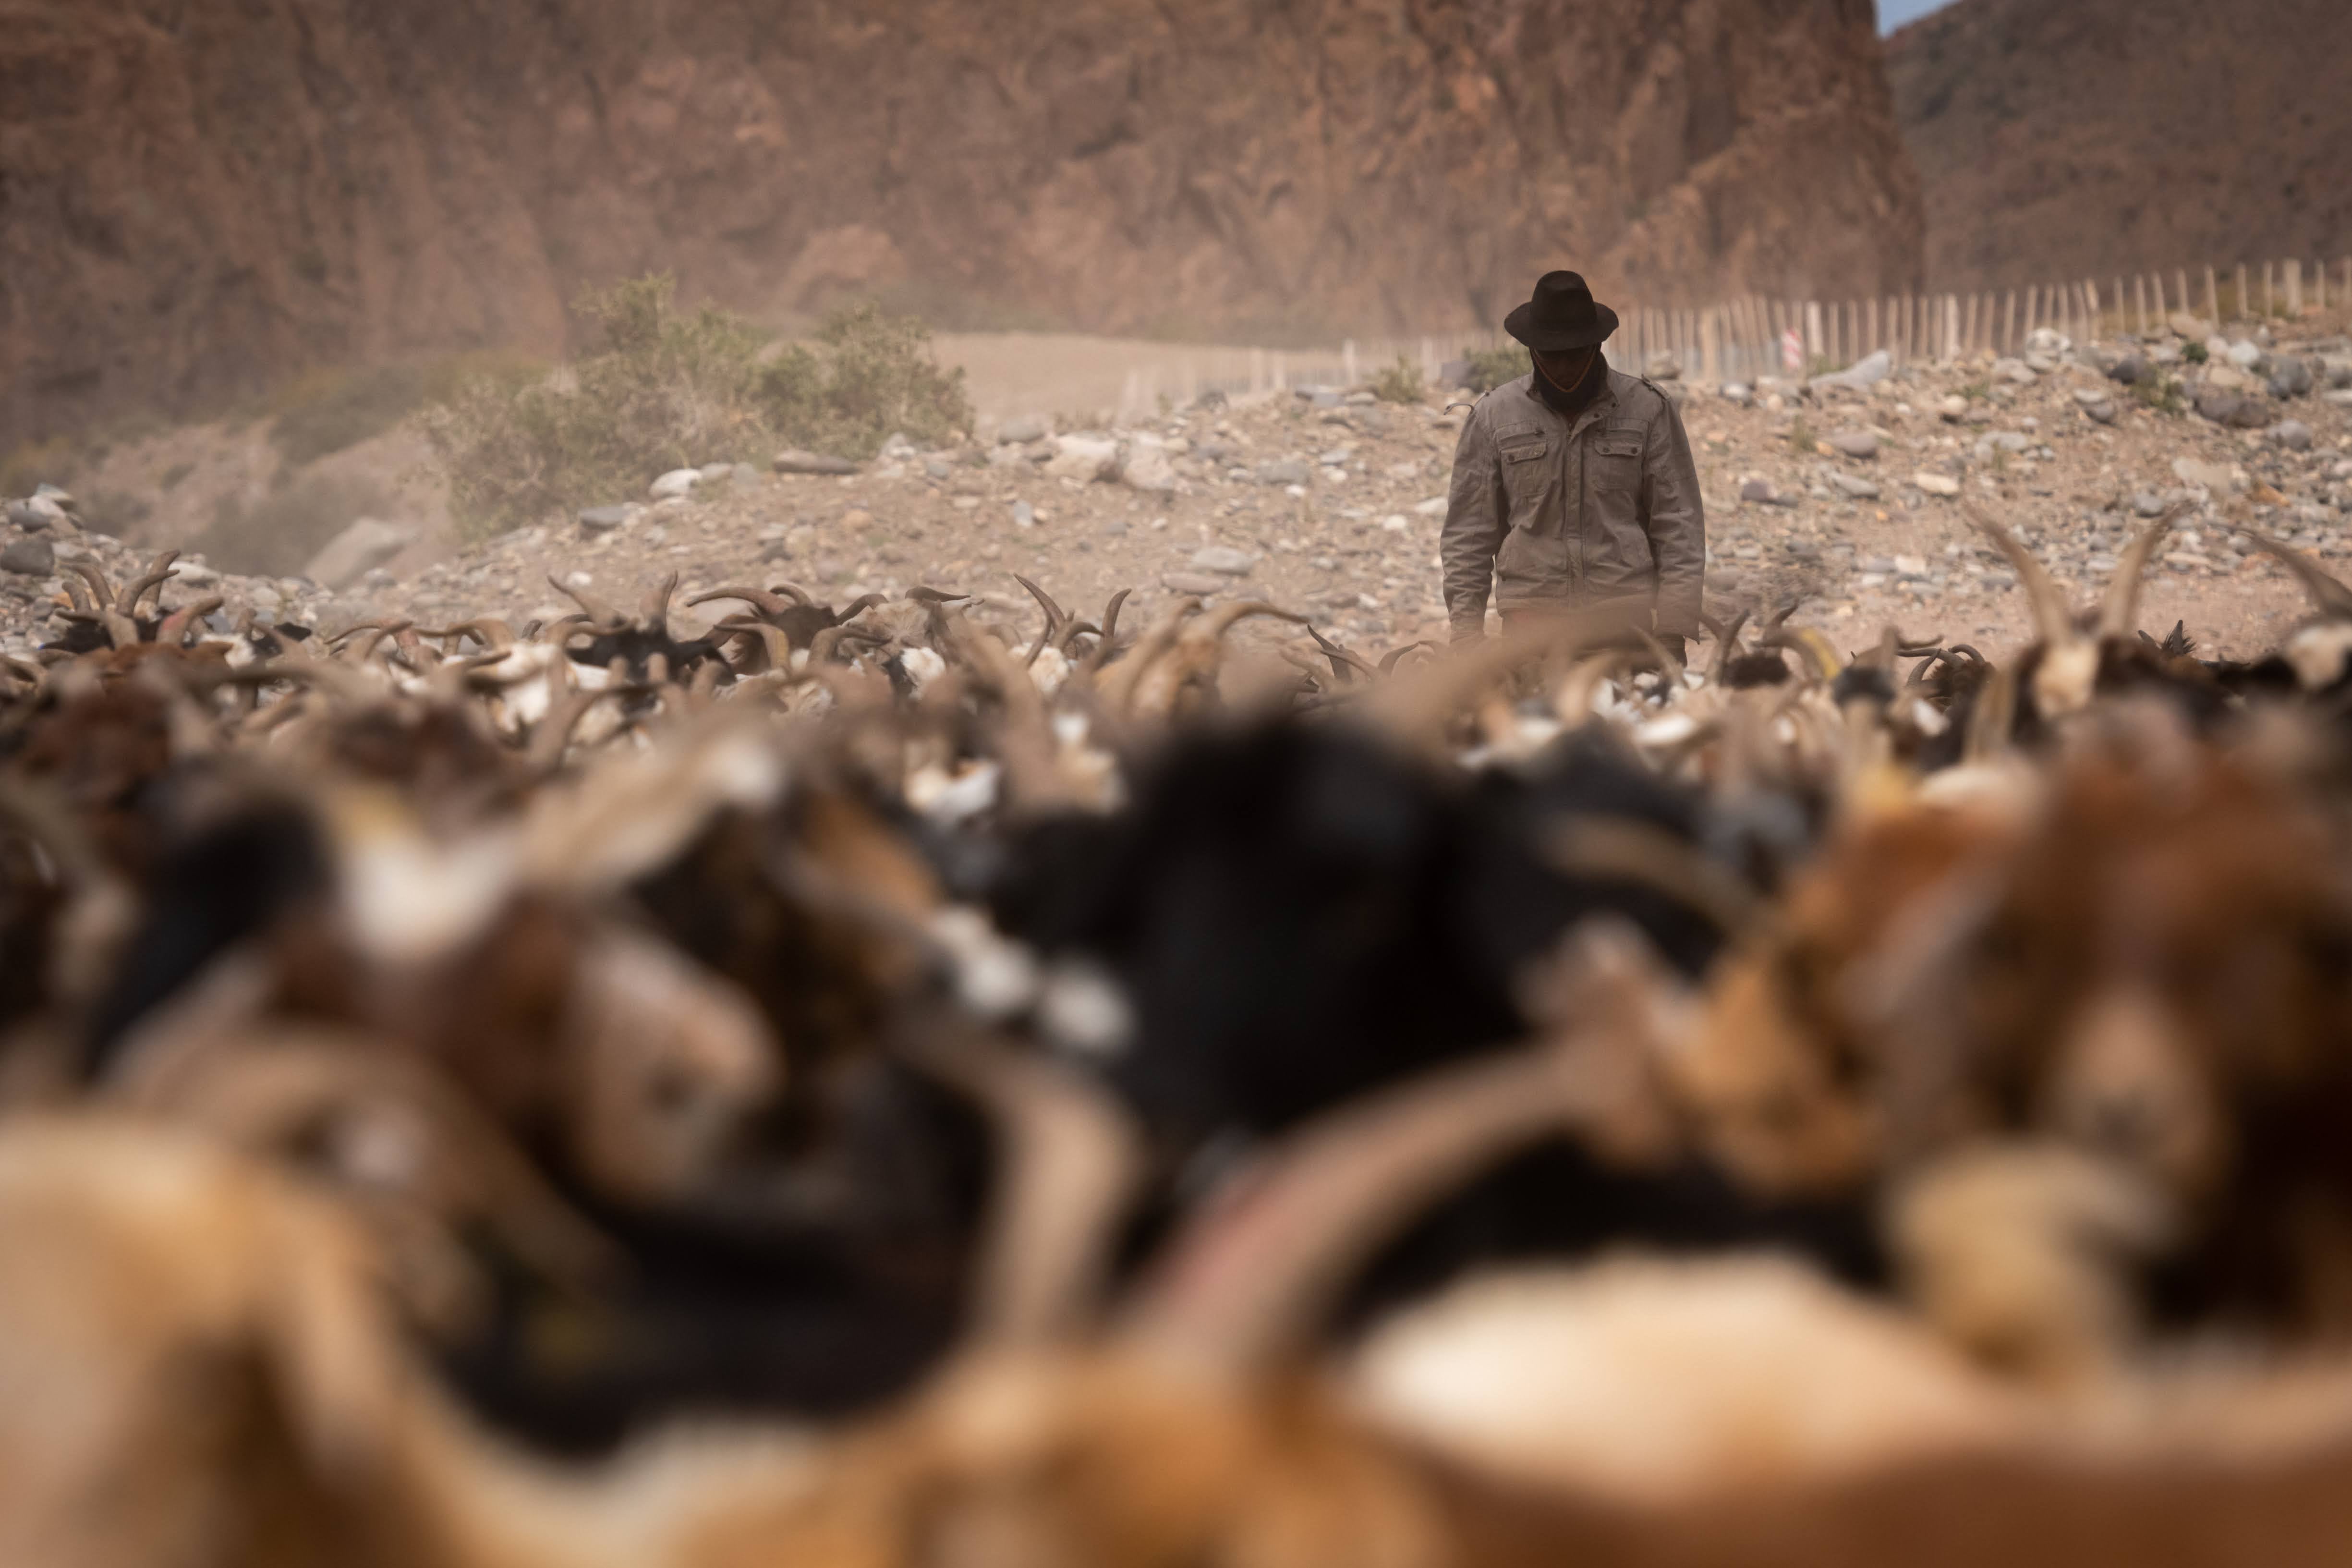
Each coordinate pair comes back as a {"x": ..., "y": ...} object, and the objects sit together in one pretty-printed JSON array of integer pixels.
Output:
[
  {"x": 665, "y": 389},
  {"x": 1491, "y": 368},
  {"x": 1399, "y": 383}
]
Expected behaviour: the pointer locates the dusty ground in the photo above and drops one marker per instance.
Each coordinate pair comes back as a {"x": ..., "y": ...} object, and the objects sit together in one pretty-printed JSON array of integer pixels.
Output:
[{"x": 1349, "y": 534}]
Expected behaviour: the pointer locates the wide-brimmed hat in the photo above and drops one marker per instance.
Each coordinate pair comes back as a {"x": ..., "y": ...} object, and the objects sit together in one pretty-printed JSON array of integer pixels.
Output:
[{"x": 1562, "y": 316}]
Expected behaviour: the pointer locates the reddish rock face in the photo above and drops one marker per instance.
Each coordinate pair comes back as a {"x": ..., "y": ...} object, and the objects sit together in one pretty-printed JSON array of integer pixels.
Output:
[
  {"x": 198, "y": 199},
  {"x": 2098, "y": 137}
]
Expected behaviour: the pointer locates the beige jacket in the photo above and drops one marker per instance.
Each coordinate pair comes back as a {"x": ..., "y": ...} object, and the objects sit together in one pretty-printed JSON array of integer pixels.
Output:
[{"x": 1557, "y": 514}]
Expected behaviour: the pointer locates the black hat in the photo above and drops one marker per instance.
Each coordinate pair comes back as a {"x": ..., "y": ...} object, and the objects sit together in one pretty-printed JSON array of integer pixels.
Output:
[{"x": 1561, "y": 316}]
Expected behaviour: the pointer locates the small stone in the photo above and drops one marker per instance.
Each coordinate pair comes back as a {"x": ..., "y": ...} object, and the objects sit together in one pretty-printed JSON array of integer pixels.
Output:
[
  {"x": 2290, "y": 378},
  {"x": 1191, "y": 583},
  {"x": 1023, "y": 515},
  {"x": 2016, "y": 372},
  {"x": 29, "y": 558},
  {"x": 711, "y": 472},
  {"x": 1023, "y": 429},
  {"x": 1224, "y": 557},
  {"x": 2213, "y": 479},
  {"x": 1664, "y": 367},
  {"x": 1434, "y": 506},
  {"x": 1396, "y": 523},
  {"x": 2218, "y": 404},
  {"x": 597, "y": 520},
  {"x": 1760, "y": 492},
  {"x": 2147, "y": 503},
  {"x": 2292, "y": 433},
  {"x": 1147, "y": 465},
  {"x": 938, "y": 469},
  {"x": 1738, "y": 392},
  {"x": 2229, "y": 378},
  {"x": 1855, "y": 443},
  {"x": 676, "y": 483},
  {"x": 2245, "y": 355},
  {"x": 1859, "y": 376},
  {"x": 743, "y": 476},
  {"x": 2127, "y": 369},
  {"x": 1935, "y": 484},
  {"x": 1287, "y": 471},
  {"x": 794, "y": 461},
  {"x": 1853, "y": 485}
]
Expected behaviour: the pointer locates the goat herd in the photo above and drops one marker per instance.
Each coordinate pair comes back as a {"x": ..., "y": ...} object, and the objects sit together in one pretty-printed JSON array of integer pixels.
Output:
[{"x": 886, "y": 1087}]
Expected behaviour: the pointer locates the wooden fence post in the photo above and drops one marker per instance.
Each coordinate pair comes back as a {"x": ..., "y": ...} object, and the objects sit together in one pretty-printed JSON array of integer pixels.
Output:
[
  {"x": 2293, "y": 269},
  {"x": 2270, "y": 290},
  {"x": 2212, "y": 301},
  {"x": 2243, "y": 307}
]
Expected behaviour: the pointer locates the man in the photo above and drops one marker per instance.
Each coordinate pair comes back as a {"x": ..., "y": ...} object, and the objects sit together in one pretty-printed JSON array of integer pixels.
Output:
[{"x": 1573, "y": 486}]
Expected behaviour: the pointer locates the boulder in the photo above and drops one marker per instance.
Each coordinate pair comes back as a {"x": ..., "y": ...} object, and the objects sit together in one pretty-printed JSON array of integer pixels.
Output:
[
  {"x": 29, "y": 558},
  {"x": 1085, "y": 459},
  {"x": 1146, "y": 465},
  {"x": 357, "y": 550},
  {"x": 1859, "y": 376}
]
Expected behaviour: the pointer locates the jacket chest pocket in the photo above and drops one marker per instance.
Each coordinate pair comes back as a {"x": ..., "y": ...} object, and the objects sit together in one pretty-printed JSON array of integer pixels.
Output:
[
  {"x": 1616, "y": 463},
  {"x": 1528, "y": 464}
]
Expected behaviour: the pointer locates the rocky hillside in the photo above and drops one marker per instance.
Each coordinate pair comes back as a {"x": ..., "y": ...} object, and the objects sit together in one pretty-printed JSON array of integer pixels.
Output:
[
  {"x": 2102, "y": 136},
  {"x": 200, "y": 199}
]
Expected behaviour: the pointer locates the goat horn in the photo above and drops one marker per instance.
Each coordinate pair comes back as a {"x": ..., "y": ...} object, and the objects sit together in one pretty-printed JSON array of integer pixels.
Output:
[
  {"x": 1389, "y": 660},
  {"x": 1246, "y": 1281},
  {"x": 102, "y": 591},
  {"x": 792, "y": 591},
  {"x": 656, "y": 614},
  {"x": 859, "y": 606},
  {"x": 1118, "y": 685},
  {"x": 176, "y": 626},
  {"x": 2328, "y": 594},
  {"x": 767, "y": 603},
  {"x": 2053, "y": 621},
  {"x": 1343, "y": 660},
  {"x": 1072, "y": 1159},
  {"x": 1780, "y": 618},
  {"x": 1110, "y": 614},
  {"x": 600, "y": 615},
  {"x": 1414, "y": 707},
  {"x": 1726, "y": 646},
  {"x": 159, "y": 572},
  {"x": 489, "y": 630},
  {"x": 2121, "y": 607},
  {"x": 1057, "y": 619}
]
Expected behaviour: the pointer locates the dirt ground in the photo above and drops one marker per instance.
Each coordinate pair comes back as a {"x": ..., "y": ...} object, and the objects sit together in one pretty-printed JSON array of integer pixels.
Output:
[{"x": 1329, "y": 505}]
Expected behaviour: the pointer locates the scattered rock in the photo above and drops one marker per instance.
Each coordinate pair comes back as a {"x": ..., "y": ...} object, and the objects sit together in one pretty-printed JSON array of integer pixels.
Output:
[
  {"x": 1023, "y": 515},
  {"x": 1285, "y": 471},
  {"x": 1935, "y": 484},
  {"x": 1085, "y": 459},
  {"x": 29, "y": 558},
  {"x": 1224, "y": 557},
  {"x": 1191, "y": 583},
  {"x": 1853, "y": 485},
  {"x": 2229, "y": 378},
  {"x": 1147, "y": 465},
  {"x": 2218, "y": 404},
  {"x": 1859, "y": 376},
  {"x": 1738, "y": 392},
  {"x": 2095, "y": 405},
  {"x": 2290, "y": 378},
  {"x": 2292, "y": 433},
  {"x": 2245, "y": 355},
  {"x": 796, "y": 461},
  {"x": 369, "y": 542},
  {"x": 598, "y": 520},
  {"x": 1023, "y": 429},
  {"x": 1760, "y": 492},
  {"x": 2015, "y": 371},
  {"x": 1433, "y": 506},
  {"x": 1855, "y": 443},
  {"x": 2213, "y": 479},
  {"x": 1664, "y": 367},
  {"x": 676, "y": 483},
  {"x": 2126, "y": 369}
]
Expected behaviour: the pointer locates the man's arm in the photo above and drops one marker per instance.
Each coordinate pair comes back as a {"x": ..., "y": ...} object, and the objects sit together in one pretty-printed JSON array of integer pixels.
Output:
[
  {"x": 1475, "y": 516},
  {"x": 1677, "y": 520}
]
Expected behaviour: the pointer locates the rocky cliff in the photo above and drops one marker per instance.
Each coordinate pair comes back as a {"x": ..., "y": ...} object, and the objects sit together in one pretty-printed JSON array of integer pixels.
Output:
[
  {"x": 196, "y": 197},
  {"x": 2093, "y": 137}
]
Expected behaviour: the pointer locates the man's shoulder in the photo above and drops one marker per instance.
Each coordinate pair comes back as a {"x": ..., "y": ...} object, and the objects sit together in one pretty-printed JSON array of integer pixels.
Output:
[
  {"x": 1639, "y": 395},
  {"x": 1505, "y": 403}
]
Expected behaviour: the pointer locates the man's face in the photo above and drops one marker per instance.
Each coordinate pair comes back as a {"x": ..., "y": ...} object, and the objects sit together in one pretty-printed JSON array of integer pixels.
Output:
[{"x": 1566, "y": 368}]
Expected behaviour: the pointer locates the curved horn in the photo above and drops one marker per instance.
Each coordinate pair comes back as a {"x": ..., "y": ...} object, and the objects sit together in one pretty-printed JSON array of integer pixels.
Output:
[
  {"x": 792, "y": 591},
  {"x": 159, "y": 572},
  {"x": 176, "y": 626},
  {"x": 600, "y": 615},
  {"x": 1344, "y": 661},
  {"x": 1072, "y": 1159},
  {"x": 102, "y": 591},
  {"x": 1244, "y": 1282},
  {"x": 489, "y": 630},
  {"x": 1726, "y": 646},
  {"x": 1389, "y": 660},
  {"x": 2053, "y": 621},
  {"x": 2328, "y": 594},
  {"x": 655, "y": 617},
  {"x": 1057, "y": 619},
  {"x": 1118, "y": 685},
  {"x": 2120, "y": 610},
  {"x": 858, "y": 606}
]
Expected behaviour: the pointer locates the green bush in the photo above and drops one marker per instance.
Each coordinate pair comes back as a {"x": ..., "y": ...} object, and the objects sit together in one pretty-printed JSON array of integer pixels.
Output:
[
  {"x": 664, "y": 389},
  {"x": 2195, "y": 352},
  {"x": 1400, "y": 383},
  {"x": 1490, "y": 368}
]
